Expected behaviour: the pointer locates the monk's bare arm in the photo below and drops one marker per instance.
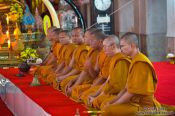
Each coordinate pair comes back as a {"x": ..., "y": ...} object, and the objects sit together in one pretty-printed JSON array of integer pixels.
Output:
[
  {"x": 99, "y": 81},
  {"x": 69, "y": 67},
  {"x": 81, "y": 78},
  {"x": 60, "y": 67},
  {"x": 52, "y": 59},
  {"x": 118, "y": 96},
  {"x": 125, "y": 98},
  {"x": 47, "y": 59},
  {"x": 100, "y": 90},
  {"x": 72, "y": 72}
]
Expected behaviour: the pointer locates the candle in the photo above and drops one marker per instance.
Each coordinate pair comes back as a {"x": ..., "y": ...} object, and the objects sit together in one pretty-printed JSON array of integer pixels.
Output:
[
  {"x": 7, "y": 34},
  {"x": 8, "y": 43},
  {"x": 7, "y": 19}
]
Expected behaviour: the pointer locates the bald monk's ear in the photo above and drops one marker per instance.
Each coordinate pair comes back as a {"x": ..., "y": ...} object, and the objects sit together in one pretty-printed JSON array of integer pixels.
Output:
[{"x": 133, "y": 45}]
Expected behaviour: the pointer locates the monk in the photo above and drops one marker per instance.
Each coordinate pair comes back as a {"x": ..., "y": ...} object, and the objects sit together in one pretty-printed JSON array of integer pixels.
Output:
[
  {"x": 63, "y": 56},
  {"x": 95, "y": 47},
  {"x": 76, "y": 64},
  {"x": 118, "y": 72},
  {"x": 50, "y": 58},
  {"x": 52, "y": 39},
  {"x": 138, "y": 94},
  {"x": 102, "y": 76},
  {"x": 49, "y": 36},
  {"x": 57, "y": 47}
]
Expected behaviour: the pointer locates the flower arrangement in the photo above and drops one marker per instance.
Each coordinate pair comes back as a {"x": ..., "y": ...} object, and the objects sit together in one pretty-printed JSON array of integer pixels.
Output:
[
  {"x": 28, "y": 55},
  {"x": 16, "y": 12}
]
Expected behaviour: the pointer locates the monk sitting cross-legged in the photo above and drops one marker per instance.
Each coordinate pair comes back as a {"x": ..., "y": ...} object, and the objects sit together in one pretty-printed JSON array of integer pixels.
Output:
[
  {"x": 138, "y": 95},
  {"x": 49, "y": 61},
  {"x": 101, "y": 77},
  {"x": 85, "y": 77},
  {"x": 118, "y": 72},
  {"x": 57, "y": 48},
  {"x": 76, "y": 63},
  {"x": 63, "y": 57}
]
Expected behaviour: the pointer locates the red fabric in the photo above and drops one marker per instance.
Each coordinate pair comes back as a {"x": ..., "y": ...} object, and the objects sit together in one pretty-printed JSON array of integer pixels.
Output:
[
  {"x": 4, "y": 110},
  {"x": 51, "y": 100},
  {"x": 165, "y": 92},
  {"x": 56, "y": 103}
]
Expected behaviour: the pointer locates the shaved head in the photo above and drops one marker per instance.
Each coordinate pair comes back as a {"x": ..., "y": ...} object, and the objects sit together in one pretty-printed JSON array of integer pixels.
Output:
[
  {"x": 113, "y": 39},
  {"x": 131, "y": 38},
  {"x": 65, "y": 31},
  {"x": 50, "y": 29},
  {"x": 57, "y": 30},
  {"x": 77, "y": 35},
  {"x": 78, "y": 30},
  {"x": 111, "y": 45},
  {"x": 99, "y": 34},
  {"x": 50, "y": 33},
  {"x": 91, "y": 30}
]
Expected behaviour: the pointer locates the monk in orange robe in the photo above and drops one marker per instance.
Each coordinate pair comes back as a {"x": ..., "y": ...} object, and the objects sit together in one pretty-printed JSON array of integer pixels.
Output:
[
  {"x": 102, "y": 77},
  {"x": 50, "y": 37},
  {"x": 51, "y": 57},
  {"x": 138, "y": 94},
  {"x": 83, "y": 81},
  {"x": 77, "y": 61},
  {"x": 91, "y": 53},
  {"x": 57, "y": 47},
  {"x": 95, "y": 48},
  {"x": 63, "y": 56},
  {"x": 118, "y": 72}
]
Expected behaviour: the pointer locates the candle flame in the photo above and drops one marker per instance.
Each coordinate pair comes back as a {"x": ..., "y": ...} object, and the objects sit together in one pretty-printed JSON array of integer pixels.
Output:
[
  {"x": 7, "y": 34},
  {"x": 7, "y": 19},
  {"x": 8, "y": 43}
]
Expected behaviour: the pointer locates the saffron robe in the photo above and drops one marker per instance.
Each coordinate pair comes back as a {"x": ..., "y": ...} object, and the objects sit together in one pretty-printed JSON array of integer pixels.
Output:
[
  {"x": 65, "y": 56},
  {"x": 41, "y": 71},
  {"x": 79, "y": 55},
  {"x": 47, "y": 69},
  {"x": 92, "y": 55},
  {"x": 77, "y": 90},
  {"x": 141, "y": 82},
  {"x": 104, "y": 73},
  {"x": 119, "y": 68}
]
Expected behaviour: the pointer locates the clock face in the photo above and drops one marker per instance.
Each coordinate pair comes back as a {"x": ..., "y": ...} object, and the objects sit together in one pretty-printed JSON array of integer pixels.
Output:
[{"x": 102, "y": 5}]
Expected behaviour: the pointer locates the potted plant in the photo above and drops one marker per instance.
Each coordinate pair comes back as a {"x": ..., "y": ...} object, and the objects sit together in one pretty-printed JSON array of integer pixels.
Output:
[{"x": 27, "y": 57}]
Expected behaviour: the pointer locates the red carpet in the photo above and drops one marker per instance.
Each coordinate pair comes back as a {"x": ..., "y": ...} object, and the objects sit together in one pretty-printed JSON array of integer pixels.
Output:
[
  {"x": 51, "y": 100},
  {"x": 55, "y": 103},
  {"x": 166, "y": 82},
  {"x": 4, "y": 110}
]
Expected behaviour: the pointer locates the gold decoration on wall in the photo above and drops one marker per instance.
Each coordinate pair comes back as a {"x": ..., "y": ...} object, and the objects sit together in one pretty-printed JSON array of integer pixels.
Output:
[{"x": 52, "y": 12}]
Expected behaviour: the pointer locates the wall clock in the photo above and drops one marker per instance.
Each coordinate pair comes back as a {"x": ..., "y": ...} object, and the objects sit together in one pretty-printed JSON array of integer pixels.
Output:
[
  {"x": 102, "y": 5},
  {"x": 101, "y": 15}
]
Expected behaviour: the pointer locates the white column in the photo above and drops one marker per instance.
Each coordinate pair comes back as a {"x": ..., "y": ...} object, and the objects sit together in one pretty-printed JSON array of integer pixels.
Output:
[
  {"x": 171, "y": 25},
  {"x": 170, "y": 18}
]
